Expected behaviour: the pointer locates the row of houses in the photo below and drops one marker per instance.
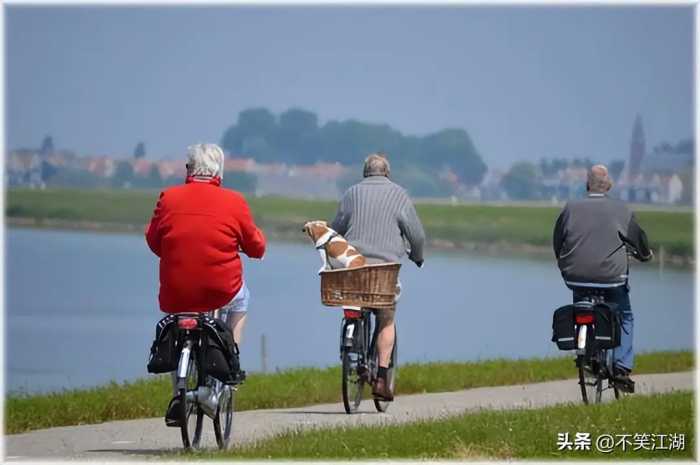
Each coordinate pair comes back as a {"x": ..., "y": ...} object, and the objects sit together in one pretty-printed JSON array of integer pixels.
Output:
[
  {"x": 658, "y": 178},
  {"x": 28, "y": 168}
]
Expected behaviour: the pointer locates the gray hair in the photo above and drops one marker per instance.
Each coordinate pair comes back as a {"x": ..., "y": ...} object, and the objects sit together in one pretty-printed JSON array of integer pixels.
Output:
[
  {"x": 598, "y": 179},
  {"x": 376, "y": 164},
  {"x": 205, "y": 160}
]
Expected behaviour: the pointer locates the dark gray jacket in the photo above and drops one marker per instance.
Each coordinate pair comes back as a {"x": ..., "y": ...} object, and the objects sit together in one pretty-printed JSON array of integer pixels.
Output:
[
  {"x": 589, "y": 239},
  {"x": 378, "y": 218}
]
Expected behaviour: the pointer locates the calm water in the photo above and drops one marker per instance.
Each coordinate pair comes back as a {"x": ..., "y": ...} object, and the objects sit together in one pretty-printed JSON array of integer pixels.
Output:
[{"x": 81, "y": 309}]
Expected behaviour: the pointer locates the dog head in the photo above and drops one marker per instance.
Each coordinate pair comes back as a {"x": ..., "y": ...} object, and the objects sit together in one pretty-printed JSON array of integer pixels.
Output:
[{"x": 315, "y": 229}]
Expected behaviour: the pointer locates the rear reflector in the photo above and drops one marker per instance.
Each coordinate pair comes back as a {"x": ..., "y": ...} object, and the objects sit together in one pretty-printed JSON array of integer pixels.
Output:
[
  {"x": 187, "y": 323},
  {"x": 352, "y": 313},
  {"x": 584, "y": 319}
]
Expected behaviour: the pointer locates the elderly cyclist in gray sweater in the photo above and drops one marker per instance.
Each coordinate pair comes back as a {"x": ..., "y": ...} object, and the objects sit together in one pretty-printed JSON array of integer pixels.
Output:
[
  {"x": 379, "y": 219},
  {"x": 591, "y": 239}
]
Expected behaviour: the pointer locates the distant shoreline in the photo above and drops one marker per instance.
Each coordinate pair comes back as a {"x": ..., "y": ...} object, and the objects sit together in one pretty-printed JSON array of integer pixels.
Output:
[{"x": 491, "y": 249}]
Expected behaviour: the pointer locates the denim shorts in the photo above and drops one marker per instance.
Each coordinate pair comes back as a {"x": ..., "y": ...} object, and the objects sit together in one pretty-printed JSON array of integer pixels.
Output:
[{"x": 239, "y": 303}]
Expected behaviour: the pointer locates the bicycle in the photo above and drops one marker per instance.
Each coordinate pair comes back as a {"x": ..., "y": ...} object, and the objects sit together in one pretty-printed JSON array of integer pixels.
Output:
[
  {"x": 595, "y": 365},
  {"x": 360, "y": 358},
  {"x": 200, "y": 394}
]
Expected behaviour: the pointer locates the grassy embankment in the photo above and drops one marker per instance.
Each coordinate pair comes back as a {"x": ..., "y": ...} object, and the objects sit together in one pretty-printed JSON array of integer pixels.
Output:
[
  {"x": 297, "y": 387},
  {"x": 482, "y": 227},
  {"x": 502, "y": 435}
]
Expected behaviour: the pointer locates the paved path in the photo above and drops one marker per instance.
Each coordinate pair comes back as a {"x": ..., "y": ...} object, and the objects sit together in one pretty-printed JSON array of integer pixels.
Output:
[{"x": 140, "y": 439}]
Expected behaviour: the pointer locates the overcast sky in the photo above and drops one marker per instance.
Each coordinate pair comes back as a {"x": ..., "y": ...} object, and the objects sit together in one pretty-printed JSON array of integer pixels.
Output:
[{"x": 525, "y": 82}]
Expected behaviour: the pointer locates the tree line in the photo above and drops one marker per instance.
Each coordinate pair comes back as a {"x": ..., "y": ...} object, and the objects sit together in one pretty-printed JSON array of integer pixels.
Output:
[{"x": 296, "y": 137}]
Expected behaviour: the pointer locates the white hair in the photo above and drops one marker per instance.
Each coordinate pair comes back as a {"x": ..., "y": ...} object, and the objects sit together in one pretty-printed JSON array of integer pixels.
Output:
[
  {"x": 376, "y": 164},
  {"x": 205, "y": 160}
]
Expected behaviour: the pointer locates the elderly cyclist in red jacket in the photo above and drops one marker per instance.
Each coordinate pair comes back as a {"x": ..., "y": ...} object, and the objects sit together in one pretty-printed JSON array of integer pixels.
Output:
[{"x": 197, "y": 230}]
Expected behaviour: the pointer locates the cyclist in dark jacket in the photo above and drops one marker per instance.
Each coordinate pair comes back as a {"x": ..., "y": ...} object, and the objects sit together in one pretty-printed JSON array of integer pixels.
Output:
[{"x": 591, "y": 240}]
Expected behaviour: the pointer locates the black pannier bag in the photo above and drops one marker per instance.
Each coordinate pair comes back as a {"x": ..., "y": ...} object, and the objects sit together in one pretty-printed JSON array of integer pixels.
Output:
[
  {"x": 563, "y": 329},
  {"x": 164, "y": 352},
  {"x": 222, "y": 360},
  {"x": 607, "y": 326}
]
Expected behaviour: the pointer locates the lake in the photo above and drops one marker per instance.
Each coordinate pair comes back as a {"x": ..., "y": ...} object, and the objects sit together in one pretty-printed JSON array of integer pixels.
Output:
[{"x": 81, "y": 309}]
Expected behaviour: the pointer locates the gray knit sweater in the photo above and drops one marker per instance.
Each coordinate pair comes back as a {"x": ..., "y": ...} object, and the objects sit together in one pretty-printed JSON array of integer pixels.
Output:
[{"x": 379, "y": 219}]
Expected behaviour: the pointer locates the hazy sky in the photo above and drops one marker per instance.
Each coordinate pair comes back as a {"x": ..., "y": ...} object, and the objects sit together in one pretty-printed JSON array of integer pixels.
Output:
[{"x": 525, "y": 82}]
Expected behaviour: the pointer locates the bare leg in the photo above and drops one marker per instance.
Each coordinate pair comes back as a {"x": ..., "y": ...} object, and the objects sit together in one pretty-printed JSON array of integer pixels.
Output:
[
  {"x": 385, "y": 342},
  {"x": 236, "y": 321}
]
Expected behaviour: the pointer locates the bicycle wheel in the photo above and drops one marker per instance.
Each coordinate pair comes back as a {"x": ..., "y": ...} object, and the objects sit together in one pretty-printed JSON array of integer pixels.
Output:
[
  {"x": 223, "y": 420},
  {"x": 382, "y": 405},
  {"x": 589, "y": 379},
  {"x": 192, "y": 415},
  {"x": 353, "y": 383}
]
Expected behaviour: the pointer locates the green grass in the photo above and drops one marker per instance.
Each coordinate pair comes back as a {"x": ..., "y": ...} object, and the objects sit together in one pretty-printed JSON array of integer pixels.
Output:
[
  {"x": 514, "y": 434},
  {"x": 530, "y": 225},
  {"x": 297, "y": 387}
]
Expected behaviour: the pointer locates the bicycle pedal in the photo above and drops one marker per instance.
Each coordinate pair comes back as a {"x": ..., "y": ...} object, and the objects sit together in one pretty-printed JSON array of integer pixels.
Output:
[
  {"x": 625, "y": 387},
  {"x": 363, "y": 373},
  {"x": 172, "y": 423}
]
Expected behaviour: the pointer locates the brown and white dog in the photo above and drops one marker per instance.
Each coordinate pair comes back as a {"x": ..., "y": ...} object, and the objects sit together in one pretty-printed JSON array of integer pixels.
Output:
[{"x": 330, "y": 244}]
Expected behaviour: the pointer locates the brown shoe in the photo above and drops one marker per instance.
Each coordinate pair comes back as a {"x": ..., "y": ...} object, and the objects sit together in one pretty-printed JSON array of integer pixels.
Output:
[{"x": 381, "y": 390}]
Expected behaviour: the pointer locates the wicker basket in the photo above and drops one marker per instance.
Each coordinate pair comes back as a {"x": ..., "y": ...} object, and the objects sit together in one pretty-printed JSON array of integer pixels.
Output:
[{"x": 372, "y": 286}]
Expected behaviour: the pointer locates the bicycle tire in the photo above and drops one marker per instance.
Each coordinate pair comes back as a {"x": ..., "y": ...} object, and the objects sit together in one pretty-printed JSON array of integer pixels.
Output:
[
  {"x": 352, "y": 383},
  {"x": 223, "y": 419},
  {"x": 590, "y": 381},
  {"x": 383, "y": 405},
  {"x": 191, "y": 428}
]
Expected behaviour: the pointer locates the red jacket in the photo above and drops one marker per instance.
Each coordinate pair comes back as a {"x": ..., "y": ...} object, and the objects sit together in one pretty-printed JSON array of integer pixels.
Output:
[{"x": 197, "y": 230}]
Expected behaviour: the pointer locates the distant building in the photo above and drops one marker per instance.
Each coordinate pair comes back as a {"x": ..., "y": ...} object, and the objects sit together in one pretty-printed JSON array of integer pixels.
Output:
[
  {"x": 23, "y": 169},
  {"x": 655, "y": 177},
  {"x": 102, "y": 166}
]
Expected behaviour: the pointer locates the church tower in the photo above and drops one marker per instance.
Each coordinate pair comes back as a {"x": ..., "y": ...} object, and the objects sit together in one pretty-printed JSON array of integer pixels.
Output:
[{"x": 637, "y": 150}]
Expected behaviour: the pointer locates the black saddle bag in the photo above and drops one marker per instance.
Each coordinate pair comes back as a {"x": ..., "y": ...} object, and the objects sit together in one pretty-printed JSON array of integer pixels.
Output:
[
  {"x": 164, "y": 351},
  {"x": 222, "y": 356},
  {"x": 604, "y": 335},
  {"x": 563, "y": 328},
  {"x": 607, "y": 330}
]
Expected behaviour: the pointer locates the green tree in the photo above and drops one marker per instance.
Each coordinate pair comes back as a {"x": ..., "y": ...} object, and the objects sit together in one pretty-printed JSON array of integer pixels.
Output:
[
  {"x": 47, "y": 146},
  {"x": 454, "y": 148},
  {"x": 123, "y": 174},
  {"x": 520, "y": 183},
  {"x": 140, "y": 150},
  {"x": 47, "y": 170},
  {"x": 551, "y": 166},
  {"x": 297, "y": 136},
  {"x": 253, "y": 135},
  {"x": 154, "y": 177},
  {"x": 240, "y": 181},
  {"x": 349, "y": 142},
  {"x": 420, "y": 183}
]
